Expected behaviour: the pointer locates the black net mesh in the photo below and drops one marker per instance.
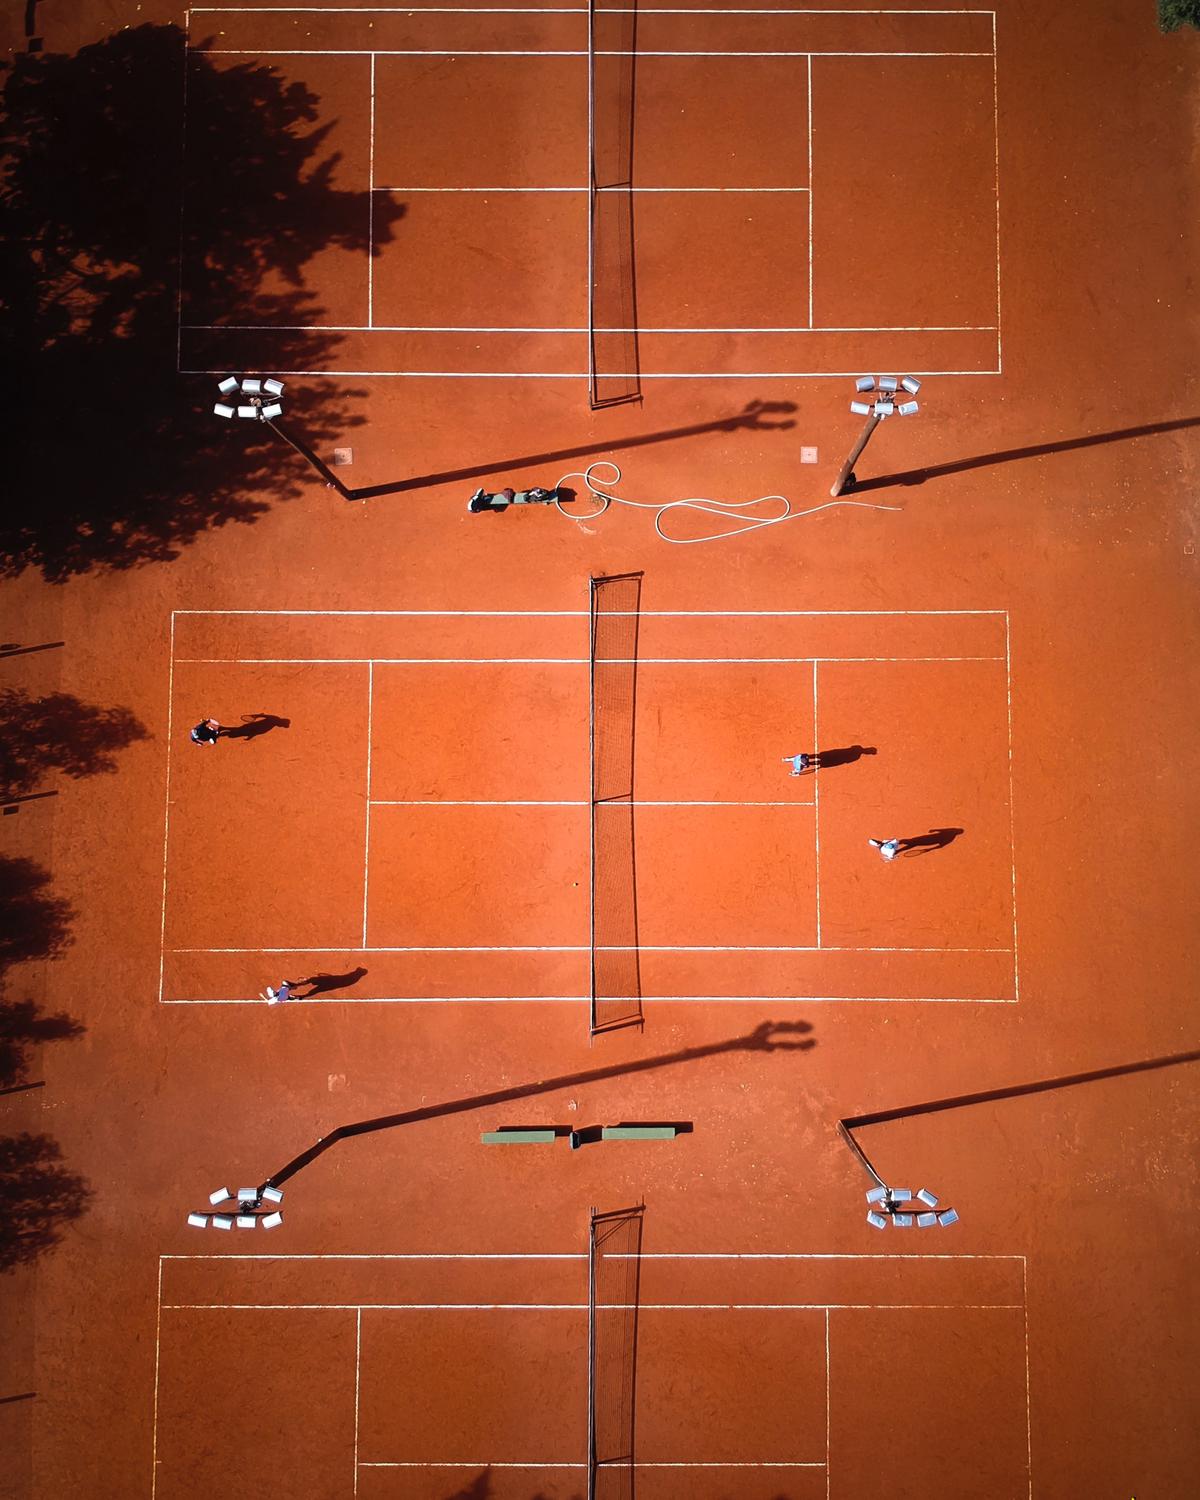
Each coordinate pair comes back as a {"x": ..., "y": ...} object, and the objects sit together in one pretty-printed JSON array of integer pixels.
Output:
[
  {"x": 615, "y": 1265},
  {"x": 616, "y": 975}
]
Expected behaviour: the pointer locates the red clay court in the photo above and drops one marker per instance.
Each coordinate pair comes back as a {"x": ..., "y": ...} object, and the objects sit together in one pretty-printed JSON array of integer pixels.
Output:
[{"x": 508, "y": 793}]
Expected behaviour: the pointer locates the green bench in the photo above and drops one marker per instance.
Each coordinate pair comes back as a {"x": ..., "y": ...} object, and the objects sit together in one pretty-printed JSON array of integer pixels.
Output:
[
  {"x": 516, "y": 1137},
  {"x": 638, "y": 1133}
]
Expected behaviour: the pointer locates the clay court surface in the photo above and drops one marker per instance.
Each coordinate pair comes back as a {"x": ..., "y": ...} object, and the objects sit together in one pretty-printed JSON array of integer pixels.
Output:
[{"x": 1000, "y": 201}]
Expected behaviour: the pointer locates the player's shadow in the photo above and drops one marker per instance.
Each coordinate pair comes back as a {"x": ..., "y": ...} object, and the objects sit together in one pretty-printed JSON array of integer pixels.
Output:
[
  {"x": 826, "y": 760},
  {"x": 255, "y": 725},
  {"x": 926, "y": 843},
  {"x": 325, "y": 984}
]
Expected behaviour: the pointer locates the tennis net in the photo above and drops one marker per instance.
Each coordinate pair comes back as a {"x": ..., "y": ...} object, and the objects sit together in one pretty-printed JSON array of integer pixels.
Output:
[
  {"x": 616, "y": 986},
  {"x": 614, "y": 1273},
  {"x": 613, "y": 367}
]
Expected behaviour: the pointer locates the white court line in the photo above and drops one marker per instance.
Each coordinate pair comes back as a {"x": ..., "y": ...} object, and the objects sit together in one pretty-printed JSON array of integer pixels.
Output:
[
  {"x": 810, "y": 201},
  {"x": 157, "y": 1363},
  {"x": 583, "y": 374},
  {"x": 511, "y": 1464},
  {"x": 828, "y": 1408},
  {"x": 1028, "y": 1398},
  {"x": 183, "y": 103},
  {"x": 1012, "y": 827},
  {"x": 825, "y": 1307},
  {"x": 996, "y": 141},
  {"x": 162, "y": 932},
  {"x": 601, "y": 948},
  {"x": 583, "y": 614},
  {"x": 357, "y": 1383},
  {"x": 371, "y": 210},
  {"x": 367, "y": 831},
  {"x": 816, "y": 815},
  {"x": 635, "y": 802},
  {"x": 560, "y": 10},
  {"x": 569, "y": 189},
  {"x": 549, "y": 661},
  {"x": 565, "y": 328},
  {"x": 409, "y": 1255},
  {"x": 759, "y": 1000},
  {"x": 582, "y": 1255},
  {"x": 454, "y": 52}
]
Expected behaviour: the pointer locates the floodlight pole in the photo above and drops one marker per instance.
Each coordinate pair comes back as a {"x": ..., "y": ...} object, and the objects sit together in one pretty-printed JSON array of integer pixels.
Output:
[
  {"x": 261, "y": 400},
  {"x": 886, "y": 403},
  {"x": 864, "y": 437},
  {"x": 306, "y": 452}
]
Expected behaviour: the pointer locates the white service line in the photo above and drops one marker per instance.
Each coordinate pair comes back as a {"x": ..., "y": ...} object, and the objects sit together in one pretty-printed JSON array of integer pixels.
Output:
[
  {"x": 583, "y": 374},
  {"x": 635, "y": 802},
  {"x": 601, "y": 1306},
  {"x": 357, "y": 1385},
  {"x": 1012, "y": 825},
  {"x": 476, "y": 328},
  {"x": 816, "y": 814},
  {"x": 583, "y": 614},
  {"x": 367, "y": 830},
  {"x": 456, "y": 52},
  {"x": 371, "y": 212},
  {"x": 162, "y": 932},
  {"x": 758, "y": 1000},
  {"x": 600, "y": 948},
  {"x": 550, "y": 661}
]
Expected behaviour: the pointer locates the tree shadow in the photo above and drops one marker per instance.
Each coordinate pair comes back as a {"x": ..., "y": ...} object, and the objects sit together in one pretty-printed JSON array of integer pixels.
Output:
[
  {"x": 59, "y": 733},
  {"x": 22, "y": 1027},
  {"x": 37, "y": 1194},
  {"x": 103, "y": 270},
  {"x": 34, "y": 923},
  {"x": 38, "y": 1198},
  {"x": 255, "y": 725}
]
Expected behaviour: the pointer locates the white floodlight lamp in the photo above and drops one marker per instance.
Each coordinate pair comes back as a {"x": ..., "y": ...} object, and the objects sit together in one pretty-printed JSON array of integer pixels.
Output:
[
  {"x": 888, "y": 382},
  {"x": 911, "y": 385},
  {"x": 230, "y": 383},
  {"x": 907, "y": 408},
  {"x": 276, "y": 410},
  {"x": 250, "y": 386},
  {"x": 860, "y": 408},
  {"x": 248, "y": 411},
  {"x": 877, "y": 1221},
  {"x": 222, "y": 410},
  {"x": 273, "y": 387},
  {"x": 884, "y": 408},
  {"x": 865, "y": 383}
]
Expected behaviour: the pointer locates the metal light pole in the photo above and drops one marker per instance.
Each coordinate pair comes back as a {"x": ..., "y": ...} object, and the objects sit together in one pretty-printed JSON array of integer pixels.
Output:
[
  {"x": 262, "y": 401},
  {"x": 884, "y": 405}
]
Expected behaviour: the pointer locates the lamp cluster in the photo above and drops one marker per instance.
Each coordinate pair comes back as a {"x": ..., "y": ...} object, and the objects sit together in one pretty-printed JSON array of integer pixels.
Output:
[
  {"x": 249, "y": 1212},
  {"x": 893, "y": 1205},
  {"x": 256, "y": 407},
  {"x": 885, "y": 403}
]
